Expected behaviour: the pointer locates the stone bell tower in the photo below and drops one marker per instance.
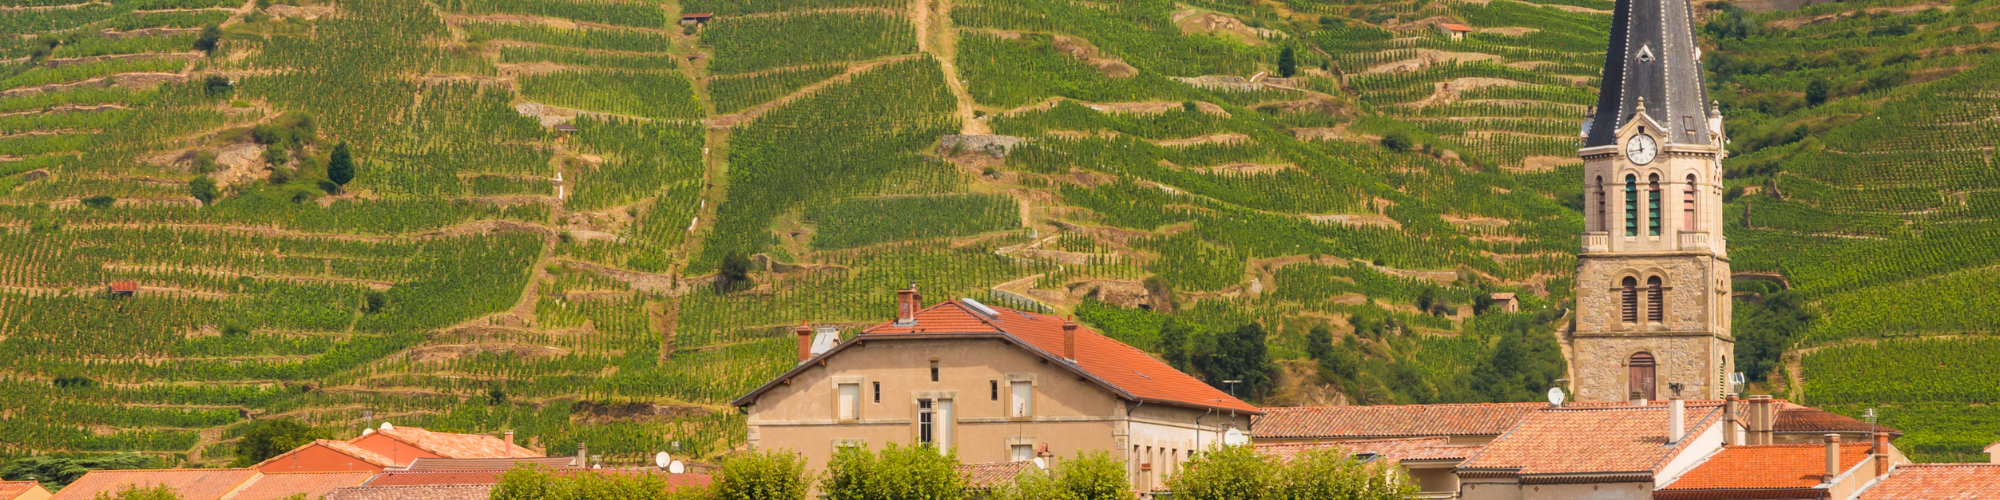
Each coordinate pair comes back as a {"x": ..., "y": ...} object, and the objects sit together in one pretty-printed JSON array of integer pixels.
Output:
[{"x": 1652, "y": 281}]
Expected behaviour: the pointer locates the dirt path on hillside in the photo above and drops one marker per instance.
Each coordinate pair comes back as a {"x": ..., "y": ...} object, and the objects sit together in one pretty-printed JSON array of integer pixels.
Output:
[
  {"x": 723, "y": 122},
  {"x": 482, "y": 227},
  {"x": 937, "y": 36}
]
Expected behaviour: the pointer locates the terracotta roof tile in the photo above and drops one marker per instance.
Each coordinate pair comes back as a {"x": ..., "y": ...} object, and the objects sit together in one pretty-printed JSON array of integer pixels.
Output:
[
  {"x": 12, "y": 489},
  {"x": 1122, "y": 366},
  {"x": 1393, "y": 450},
  {"x": 1937, "y": 482},
  {"x": 423, "y": 464},
  {"x": 1311, "y": 422},
  {"x": 454, "y": 445},
  {"x": 430, "y": 478},
  {"x": 190, "y": 484},
  {"x": 1803, "y": 419},
  {"x": 1591, "y": 440},
  {"x": 1770, "y": 466},
  {"x": 450, "y": 492},
  {"x": 277, "y": 485},
  {"x": 1455, "y": 27},
  {"x": 985, "y": 476},
  {"x": 342, "y": 447}
]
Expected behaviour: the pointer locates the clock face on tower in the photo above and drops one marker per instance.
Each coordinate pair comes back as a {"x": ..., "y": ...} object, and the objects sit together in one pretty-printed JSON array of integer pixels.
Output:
[{"x": 1641, "y": 149}]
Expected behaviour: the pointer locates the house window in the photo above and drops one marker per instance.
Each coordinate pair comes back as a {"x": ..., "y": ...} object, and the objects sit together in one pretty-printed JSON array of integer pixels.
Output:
[
  {"x": 1021, "y": 452},
  {"x": 993, "y": 386},
  {"x": 1631, "y": 205},
  {"x": 934, "y": 370},
  {"x": 1653, "y": 205},
  {"x": 1023, "y": 404},
  {"x": 1629, "y": 298},
  {"x": 1655, "y": 305},
  {"x": 850, "y": 401},
  {"x": 1640, "y": 375},
  {"x": 1687, "y": 206},
  {"x": 878, "y": 392},
  {"x": 924, "y": 421}
]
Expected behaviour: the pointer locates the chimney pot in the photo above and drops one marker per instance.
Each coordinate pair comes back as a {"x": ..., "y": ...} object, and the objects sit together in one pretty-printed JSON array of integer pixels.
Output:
[
  {"x": 1069, "y": 339},
  {"x": 1676, "y": 420},
  {"x": 582, "y": 454},
  {"x": 1760, "y": 419},
  {"x": 1730, "y": 407},
  {"x": 510, "y": 444},
  {"x": 907, "y": 303},
  {"x": 805, "y": 334},
  {"x": 1832, "y": 456}
]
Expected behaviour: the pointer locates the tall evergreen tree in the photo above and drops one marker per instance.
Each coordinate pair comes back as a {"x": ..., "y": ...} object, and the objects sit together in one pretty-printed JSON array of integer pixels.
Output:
[
  {"x": 1288, "y": 62},
  {"x": 340, "y": 168}
]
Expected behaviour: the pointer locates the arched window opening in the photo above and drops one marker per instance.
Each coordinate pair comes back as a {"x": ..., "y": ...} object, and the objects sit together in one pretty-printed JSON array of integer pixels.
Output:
[
  {"x": 1655, "y": 303},
  {"x": 1640, "y": 375},
  {"x": 1687, "y": 205},
  {"x": 1630, "y": 299},
  {"x": 1653, "y": 205},
  {"x": 1631, "y": 205},
  {"x": 1603, "y": 224}
]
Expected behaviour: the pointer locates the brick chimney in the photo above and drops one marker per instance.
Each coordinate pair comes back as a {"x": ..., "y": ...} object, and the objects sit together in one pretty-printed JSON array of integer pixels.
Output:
[
  {"x": 1069, "y": 339},
  {"x": 1732, "y": 421},
  {"x": 805, "y": 334},
  {"x": 1638, "y": 398},
  {"x": 1760, "y": 420},
  {"x": 907, "y": 303},
  {"x": 1881, "y": 452},
  {"x": 1832, "y": 456},
  {"x": 1676, "y": 419},
  {"x": 510, "y": 444}
]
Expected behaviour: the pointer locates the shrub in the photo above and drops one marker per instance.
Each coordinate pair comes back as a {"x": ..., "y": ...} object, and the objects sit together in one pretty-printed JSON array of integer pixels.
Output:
[
  {"x": 1398, "y": 141},
  {"x": 898, "y": 473},
  {"x": 270, "y": 438},
  {"x": 99, "y": 201},
  {"x": 762, "y": 475}
]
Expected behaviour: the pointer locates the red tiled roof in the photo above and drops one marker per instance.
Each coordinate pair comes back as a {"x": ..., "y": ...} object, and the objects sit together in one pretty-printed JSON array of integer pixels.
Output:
[
  {"x": 985, "y": 476},
  {"x": 1393, "y": 450},
  {"x": 189, "y": 484},
  {"x": 124, "y": 286},
  {"x": 451, "y": 492},
  {"x": 1937, "y": 482},
  {"x": 342, "y": 447},
  {"x": 1121, "y": 367},
  {"x": 431, "y": 478},
  {"x": 1591, "y": 440},
  {"x": 1308, "y": 422},
  {"x": 1769, "y": 466},
  {"x": 423, "y": 464},
  {"x": 454, "y": 445},
  {"x": 1805, "y": 419},
  {"x": 12, "y": 489},
  {"x": 277, "y": 485},
  {"x": 1455, "y": 27}
]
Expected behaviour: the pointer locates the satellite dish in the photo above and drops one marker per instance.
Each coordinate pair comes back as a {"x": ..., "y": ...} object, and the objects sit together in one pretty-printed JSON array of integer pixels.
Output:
[
  {"x": 1234, "y": 437},
  {"x": 386, "y": 426},
  {"x": 677, "y": 467},
  {"x": 1556, "y": 396},
  {"x": 1041, "y": 464},
  {"x": 661, "y": 459}
]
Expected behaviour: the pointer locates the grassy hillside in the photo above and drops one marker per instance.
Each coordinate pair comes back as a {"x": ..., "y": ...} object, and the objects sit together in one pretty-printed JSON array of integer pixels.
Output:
[{"x": 486, "y": 271}]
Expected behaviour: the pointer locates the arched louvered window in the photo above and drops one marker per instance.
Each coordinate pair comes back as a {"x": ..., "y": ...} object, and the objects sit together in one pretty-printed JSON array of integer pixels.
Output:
[
  {"x": 1653, "y": 205},
  {"x": 1631, "y": 205},
  {"x": 1687, "y": 205},
  {"x": 1603, "y": 224},
  {"x": 1629, "y": 298},
  {"x": 1655, "y": 301}
]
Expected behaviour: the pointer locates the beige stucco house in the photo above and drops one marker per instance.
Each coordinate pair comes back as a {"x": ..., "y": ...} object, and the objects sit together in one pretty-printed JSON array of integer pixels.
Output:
[{"x": 993, "y": 385}]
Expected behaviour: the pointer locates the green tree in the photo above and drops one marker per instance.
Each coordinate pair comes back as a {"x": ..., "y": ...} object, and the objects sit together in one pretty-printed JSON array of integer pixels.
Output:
[
  {"x": 734, "y": 272},
  {"x": 1816, "y": 92},
  {"x": 1173, "y": 344},
  {"x": 1398, "y": 141},
  {"x": 270, "y": 438},
  {"x": 216, "y": 85},
  {"x": 762, "y": 475},
  {"x": 1288, "y": 62},
  {"x": 99, "y": 201},
  {"x": 340, "y": 167},
  {"x": 1319, "y": 342},
  {"x": 897, "y": 473},
  {"x": 529, "y": 482},
  {"x": 203, "y": 188},
  {"x": 1526, "y": 363},
  {"x": 373, "y": 301},
  {"x": 1092, "y": 476},
  {"x": 1332, "y": 473},
  {"x": 1225, "y": 473},
  {"x": 1763, "y": 330},
  {"x": 211, "y": 35},
  {"x": 1236, "y": 355},
  {"x": 58, "y": 472},
  {"x": 157, "y": 492}
]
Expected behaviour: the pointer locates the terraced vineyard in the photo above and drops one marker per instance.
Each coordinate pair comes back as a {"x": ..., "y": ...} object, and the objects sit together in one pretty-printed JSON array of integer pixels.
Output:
[{"x": 545, "y": 194}]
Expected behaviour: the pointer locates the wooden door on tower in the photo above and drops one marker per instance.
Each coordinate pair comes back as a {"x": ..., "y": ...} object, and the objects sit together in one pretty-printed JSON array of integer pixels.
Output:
[{"x": 1641, "y": 375}]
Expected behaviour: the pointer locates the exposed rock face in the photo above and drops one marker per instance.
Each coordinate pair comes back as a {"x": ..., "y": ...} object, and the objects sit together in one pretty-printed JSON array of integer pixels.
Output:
[
  {"x": 239, "y": 163},
  {"x": 996, "y": 145},
  {"x": 1127, "y": 294}
]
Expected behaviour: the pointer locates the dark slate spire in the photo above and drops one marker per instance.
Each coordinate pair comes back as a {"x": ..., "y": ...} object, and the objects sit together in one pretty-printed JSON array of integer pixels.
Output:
[{"x": 1651, "y": 54}]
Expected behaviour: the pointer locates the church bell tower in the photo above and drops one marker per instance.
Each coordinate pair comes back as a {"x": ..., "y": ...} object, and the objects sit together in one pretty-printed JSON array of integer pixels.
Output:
[{"x": 1652, "y": 281}]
